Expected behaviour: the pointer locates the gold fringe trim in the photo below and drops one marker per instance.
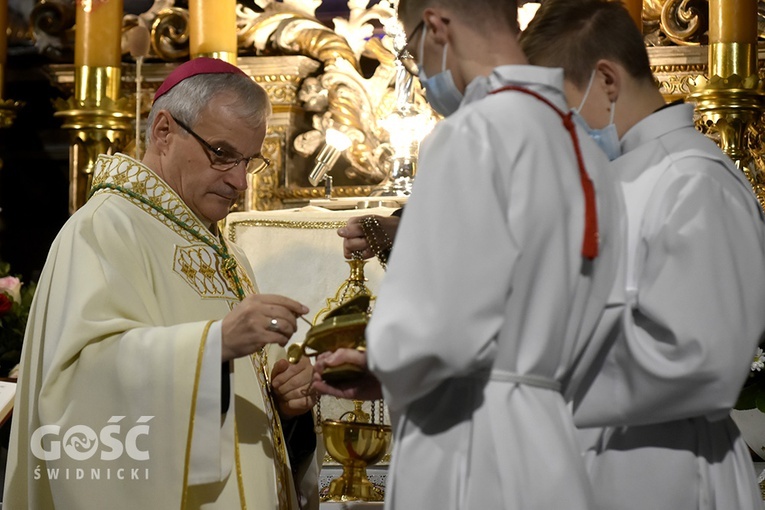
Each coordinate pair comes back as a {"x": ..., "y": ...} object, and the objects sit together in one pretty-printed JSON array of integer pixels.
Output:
[
  {"x": 193, "y": 412},
  {"x": 239, "y": 477},
  {"x": 297, "y": 224}
]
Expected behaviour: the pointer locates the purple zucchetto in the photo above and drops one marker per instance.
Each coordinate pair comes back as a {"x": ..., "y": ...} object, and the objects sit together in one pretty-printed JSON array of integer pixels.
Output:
[{"x": 193, "y": 67}]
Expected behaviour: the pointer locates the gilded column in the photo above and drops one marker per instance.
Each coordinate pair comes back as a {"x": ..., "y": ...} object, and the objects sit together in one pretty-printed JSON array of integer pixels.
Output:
[
  {"x": 212, "y": 29},
  {"x": 100, "y": 120},
  {"x": 730, "y": 99}
]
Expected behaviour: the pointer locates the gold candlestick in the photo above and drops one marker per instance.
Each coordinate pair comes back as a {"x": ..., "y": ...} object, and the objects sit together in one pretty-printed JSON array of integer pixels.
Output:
[
  {"x": 100, "y": 120},
  {"x": 732, "y": 38},
  {"x": 731, "y": 99}
]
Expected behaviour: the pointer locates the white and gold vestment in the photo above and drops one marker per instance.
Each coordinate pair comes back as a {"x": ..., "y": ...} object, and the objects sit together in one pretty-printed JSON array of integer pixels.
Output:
[{"x": 122, "y": 352}]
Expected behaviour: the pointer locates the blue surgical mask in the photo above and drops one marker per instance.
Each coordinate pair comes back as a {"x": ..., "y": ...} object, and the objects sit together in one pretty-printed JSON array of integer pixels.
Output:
[
  {"x": 607, "y": 138},
  {"x": 440, "y": 91}
]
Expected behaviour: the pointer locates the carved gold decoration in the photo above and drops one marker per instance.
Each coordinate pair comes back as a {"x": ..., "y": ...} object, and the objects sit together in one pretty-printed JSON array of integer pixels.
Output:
[
  {"x": 170, "y": 34},
  {"x": 674, "y": 22},
  {"x": 755, "y": 171},
  {"x": 281, "y": 78},
  {"x": 342, "y": 88},
  {"x": 730, "y": 106},
  {"x": 340, "y": 97},
  {"x": 726, "y": 107},
  {"x": 8, "y": 110},
  {"x": 676, "y": 69},
  {"x": 52, "y": 23},
  {"x": 306, "y": 103}
]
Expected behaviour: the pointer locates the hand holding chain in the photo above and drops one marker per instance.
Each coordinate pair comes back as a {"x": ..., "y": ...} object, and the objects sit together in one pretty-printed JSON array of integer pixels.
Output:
[{"x": 378, "y": 239}]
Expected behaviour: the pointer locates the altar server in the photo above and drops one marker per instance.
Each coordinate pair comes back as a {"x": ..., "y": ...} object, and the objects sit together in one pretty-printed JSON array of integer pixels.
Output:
[
  {"x": 150, "y": 374},
  {"x": 694, "y": 281},
  {"x": 501, "y": 266}
]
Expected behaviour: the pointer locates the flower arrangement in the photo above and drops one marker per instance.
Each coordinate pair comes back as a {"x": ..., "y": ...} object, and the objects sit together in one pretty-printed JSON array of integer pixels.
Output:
[
  {"x": 15, "y": 300},
  {"x": 752, "y": 394}
]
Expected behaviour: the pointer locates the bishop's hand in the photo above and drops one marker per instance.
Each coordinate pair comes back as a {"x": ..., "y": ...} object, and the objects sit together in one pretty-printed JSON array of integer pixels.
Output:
[
  {"x": 291, "y": 384},
  {"x": 259, "y": 319}
]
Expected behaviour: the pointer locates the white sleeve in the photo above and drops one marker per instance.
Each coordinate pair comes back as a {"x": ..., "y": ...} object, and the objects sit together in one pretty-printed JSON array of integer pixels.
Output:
[
  {"x": 211, "y": 459},
  {"x": 692, "y": 324},
  {"x": 448, "y": 269}
]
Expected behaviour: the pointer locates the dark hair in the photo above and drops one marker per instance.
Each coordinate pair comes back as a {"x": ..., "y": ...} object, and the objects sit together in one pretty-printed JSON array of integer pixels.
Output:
[
  {"x": 575, "y": 34},
  {"x": 498, "y": 12}
]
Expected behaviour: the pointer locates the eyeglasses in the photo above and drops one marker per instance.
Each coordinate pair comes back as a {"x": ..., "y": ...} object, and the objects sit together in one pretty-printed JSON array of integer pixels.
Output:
[
  {"x": 223, "y": 160},
  {"x": 405, "y": 57}
]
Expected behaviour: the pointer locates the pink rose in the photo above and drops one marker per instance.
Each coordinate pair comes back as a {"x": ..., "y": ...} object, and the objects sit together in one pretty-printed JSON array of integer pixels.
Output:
[{"x": 11, "y": 286}]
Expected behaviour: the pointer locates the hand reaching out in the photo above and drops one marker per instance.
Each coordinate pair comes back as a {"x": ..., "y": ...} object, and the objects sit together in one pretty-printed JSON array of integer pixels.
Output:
[
  {"x": 355, "y": 239},
  {"x": 291, "y": 384},
  {"x": 365, "y": 387}
]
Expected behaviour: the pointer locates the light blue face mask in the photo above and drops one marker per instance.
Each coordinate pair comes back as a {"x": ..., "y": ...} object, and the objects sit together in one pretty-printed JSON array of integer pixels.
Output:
[
  {"x": 440, "y": 91},
  {"x": 607, "y": 138}
]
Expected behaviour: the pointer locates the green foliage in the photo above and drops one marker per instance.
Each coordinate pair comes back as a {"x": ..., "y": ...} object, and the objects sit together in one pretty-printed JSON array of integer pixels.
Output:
[{"x": 752, "y": 395}]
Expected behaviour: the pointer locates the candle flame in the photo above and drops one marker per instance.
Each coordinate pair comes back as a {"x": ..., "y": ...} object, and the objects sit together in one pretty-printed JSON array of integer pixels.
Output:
[{"x": 89, "y": 5}]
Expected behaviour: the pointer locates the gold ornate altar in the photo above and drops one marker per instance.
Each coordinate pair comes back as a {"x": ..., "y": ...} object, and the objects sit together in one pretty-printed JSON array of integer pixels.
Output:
[
  {"x": 317, "y": 78},
  {"x": 322, "y": 77}
]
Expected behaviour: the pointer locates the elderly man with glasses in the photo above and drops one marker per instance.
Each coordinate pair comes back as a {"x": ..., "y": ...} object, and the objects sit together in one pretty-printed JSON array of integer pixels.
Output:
[{"x": 152, "y": 374}]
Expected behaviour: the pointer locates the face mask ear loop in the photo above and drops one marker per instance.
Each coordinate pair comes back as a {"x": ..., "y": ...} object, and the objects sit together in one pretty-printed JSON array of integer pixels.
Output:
[
  {"x": 613, "y": 111},
  {"x": 586, "y": 92},
  {"x": 443, "y": 59},
  {"x": 421, "y": 46}
]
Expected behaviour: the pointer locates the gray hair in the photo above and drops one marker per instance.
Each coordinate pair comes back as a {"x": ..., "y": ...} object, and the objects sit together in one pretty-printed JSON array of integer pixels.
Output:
[{"x": 187, "y": 99}]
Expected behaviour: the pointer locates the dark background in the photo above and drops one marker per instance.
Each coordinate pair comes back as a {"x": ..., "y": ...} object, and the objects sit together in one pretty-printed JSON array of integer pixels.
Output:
[{"x": 34, "y": 151}]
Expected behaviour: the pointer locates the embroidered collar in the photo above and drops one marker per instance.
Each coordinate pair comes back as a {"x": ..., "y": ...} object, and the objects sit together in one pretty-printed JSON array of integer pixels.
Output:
[{"x": 123, "y": 175}]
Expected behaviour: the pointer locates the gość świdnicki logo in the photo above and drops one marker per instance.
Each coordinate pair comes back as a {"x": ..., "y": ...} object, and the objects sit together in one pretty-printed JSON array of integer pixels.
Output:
[{"x": 81, "y": 443}]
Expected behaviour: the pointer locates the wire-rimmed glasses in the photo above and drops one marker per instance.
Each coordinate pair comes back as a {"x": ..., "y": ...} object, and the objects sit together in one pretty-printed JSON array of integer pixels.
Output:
[{"x": 224, "y": 160}]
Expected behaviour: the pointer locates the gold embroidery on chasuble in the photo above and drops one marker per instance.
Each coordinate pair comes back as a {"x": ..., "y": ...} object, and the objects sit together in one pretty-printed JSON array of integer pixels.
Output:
[
  {"x": 205, "y": 264},
  {"x": 209, "y": 274},
  {"x": 281, "y": 462}
]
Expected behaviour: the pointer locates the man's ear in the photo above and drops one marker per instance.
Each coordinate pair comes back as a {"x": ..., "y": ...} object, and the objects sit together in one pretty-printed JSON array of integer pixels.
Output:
[
  {"x": 160, "y": 129},
  {"x": 610, "y": 78},
  {"x": 437, "y": 23}
]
